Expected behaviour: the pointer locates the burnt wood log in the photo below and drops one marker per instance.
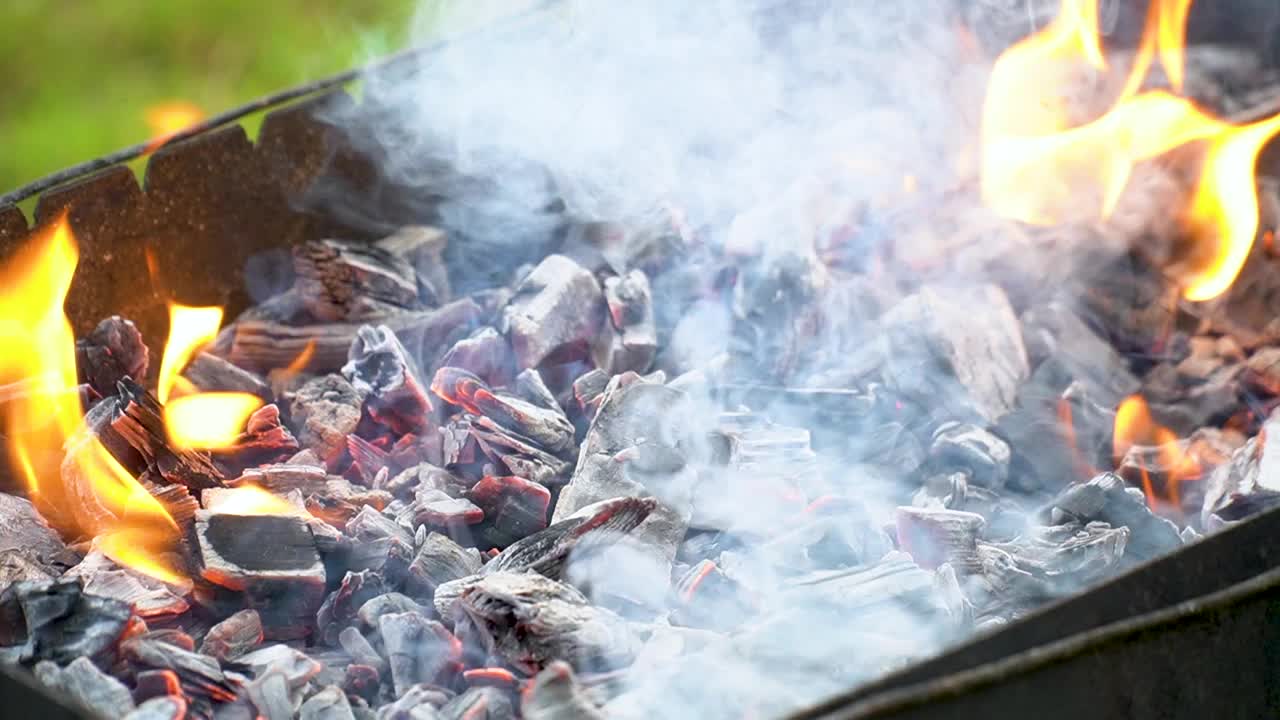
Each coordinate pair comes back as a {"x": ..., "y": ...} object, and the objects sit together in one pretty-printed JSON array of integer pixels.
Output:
[
  {"x": 339, "y": 281},
  {"x": 138, "y": 418},
  {"x": 113, "y": 351}
]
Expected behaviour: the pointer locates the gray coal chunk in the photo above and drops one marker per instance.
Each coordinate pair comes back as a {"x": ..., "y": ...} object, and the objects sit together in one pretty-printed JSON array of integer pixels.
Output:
[
  {"x": 958, "y": 348},
  {"x": 937, "y": 537},
  {"x": 485, "y": 353},
  {"x": 530, "y": 386},
  {"x": 555, "y": 314},
  {"x": 297, "y": 667},
  {"x": 380, "y": 544},
  {"x": 380, "y": 368},
  {"x": 480, "y": 703},
  {"x": 530, "y": 620},
  {"x": 58, "y": 621},
  {"x": 421, "y": 702},
  {"x": 547, "y": 427},
  {"x": 339, "y": 609},
  {"x": 339, "y": 280},
  {"x": 361, "y": 650},
  {"x": 84, "y": 683},
  {"x": 166, "y": 707},
  {"x": 1054, "y": 330},
  {"x": 270, "y": 694},
  {"x": 1106, "y": 499},
  {"x": 328, "y": 704},
  {"x": 1248, "y": 482},
  {"x": 372, "y": 610},
  {"x": 325, "y": 410},
  {"x": 634, "y": 341},
  {"x": 234, "y": 636},
  {"x": 418, "y": 650},
  {"x": 27, "y": 533},
  {"x": 554, "y": 694},
  {"x": 438, "y": 560},
  {"x": 973, "y": 450},
  {"x": 423, "y": 248}
]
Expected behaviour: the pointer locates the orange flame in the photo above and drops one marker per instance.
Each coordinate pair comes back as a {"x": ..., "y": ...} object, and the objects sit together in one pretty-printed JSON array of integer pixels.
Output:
[
  {"x": 1135, "y": 427},
  {"x": 1043, "y": 165},
  {"x": 170, "y": 118},
  {"x": 47, "y": 421},
  {"x": 250, "y": 500},
  {"x": 201, "y": 420}
]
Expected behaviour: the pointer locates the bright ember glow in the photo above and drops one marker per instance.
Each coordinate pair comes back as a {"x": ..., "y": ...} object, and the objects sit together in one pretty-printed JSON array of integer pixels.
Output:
[
  {"x": 45, "y": 423},
  {"x": 194, "y": 419},
  {"x": 1044, "y": 164},
  {"x": 251, "y": 500}
]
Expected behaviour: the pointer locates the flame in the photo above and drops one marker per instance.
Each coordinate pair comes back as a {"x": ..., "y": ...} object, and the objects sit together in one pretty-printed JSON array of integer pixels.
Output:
[
  {"x": 170, "y": 118},
  {"x": 252, "y": 500},
  {"x": 203, "y": 420},
  {"x": 1043, "y": 165},
  {"x": 1134, "y": 426},
  {"x": 40, "y": 351}
]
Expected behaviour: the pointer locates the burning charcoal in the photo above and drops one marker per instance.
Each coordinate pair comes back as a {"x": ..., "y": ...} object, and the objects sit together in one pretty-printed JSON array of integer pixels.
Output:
[
  {"x": 339, "y": 609},
  {"x": 84, "y": 683},
  {"x": 360, "y": 650},
  {"x": 386, "y": 604},
  {"x": 935, "y": 537},
  {"x": 234, "y": 636},
  {"x": 419, "y": 703},
  {"x": 380, "y": 544},
  {"x": 149, "y": 598},
  {"x": 436, "y": 509},
  {"x": 424, "y": 476},
  {"x": 155, "y": 683},
  {"x": 517, "y": 455},
  {"x": 328, "y": 704},
  {"x": 269, "y": 693},
  {"x": 485, "y": 354},
  {"x": 1106, "y": 499},
  {"x": 513, "y": 508},
  {"x": 272, "y": 559},
  {"x": 361, "y": 681},
  {"x": 57, "y": 621},
  {"x": 553, "y": 694},
  {"x": 352, "y": 281},
  {"x": 439, "y": 560},
  {"x": 199, "y": 675},
  {"x": 423, "y": 248},
  {"x": 588, "y": 390},
  {"x": 480, "y": 703},
  {"x": 555, "y": 313},
  {"x": 595, "y": 525},
  {"x": 27, "y": 533},
  {"x": 112, "y": 352},
  {"x": 211, "y": 373},
  {"x": 959, "y": 348},
  {"x": 264, "y": 440},
  {"x": 418, "y": 650},
  {"x": 546, "y": 426},
  {"x": 160, "y": 708},
  {"x": 630, "y": 305},
  {"x": 138, "y": 419},
  {"x": 296, "y": 667},
  {"x": 1248, "y": 482},
  {"x": 983, "y": 456},
  {"x": 710, "y": 599},
  {"x": 530, "y": 619},
  {"x": 380, "y": 369},
  {"x": 490, "y": 677},
  {"x": 284, "y": 477},
  {"x": 325, "y": 411}
]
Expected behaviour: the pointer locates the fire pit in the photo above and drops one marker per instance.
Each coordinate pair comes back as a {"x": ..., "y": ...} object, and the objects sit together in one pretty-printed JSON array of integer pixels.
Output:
[{"x": 313, "y": 441}]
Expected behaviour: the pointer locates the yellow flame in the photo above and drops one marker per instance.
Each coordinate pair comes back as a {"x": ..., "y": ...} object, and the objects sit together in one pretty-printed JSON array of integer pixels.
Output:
[
  {"x": 190, "y": 328},
  {"x": 40, "y": 351},
  {"x": 206, "y": 421},
  {"x": 252, "y": 500},
  {"x": 1041, "y": 166},
  {"x": 166, "y": 119}
]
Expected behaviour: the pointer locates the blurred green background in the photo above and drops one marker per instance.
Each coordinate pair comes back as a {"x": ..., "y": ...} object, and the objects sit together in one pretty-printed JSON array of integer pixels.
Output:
[{"x": 79, "y": 75}]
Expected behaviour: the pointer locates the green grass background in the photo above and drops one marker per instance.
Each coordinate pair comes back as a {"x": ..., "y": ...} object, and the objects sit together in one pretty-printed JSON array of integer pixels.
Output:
[{"x": 76, "y": 76}]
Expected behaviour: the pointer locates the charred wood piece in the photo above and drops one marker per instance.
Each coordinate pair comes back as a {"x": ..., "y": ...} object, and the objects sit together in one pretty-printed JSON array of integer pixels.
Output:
[
  {"x": 634, "y": 340},
  {"x": 381, "y": 370},
  {"x": 423, "y": 248},
  {"x": 1107, "y": 499},
  {"x": 439, "y": 560},
  {"x": 937, "y": 537},
  {"x": 138, "y": 418},
  {"x": 386, "y": 604},
  {"x": 340, "y": 281},
  {"x": 977, "y": 452},
  {"x": 361, "y": 650},
  {"x": 328, "y": 704},
  {"x": 484, "y": 353},
  {"x": 269, "y": 693},
  {"x": 710, "y": 599},
  {"x": 200, "y": 676},
  {"x": 513, "y": 508},
  {"x": 149, "y": 598},
  {"x": 381, "y": 545},
  {"x": 265, "y": 440},
  {"x": 555, "y": 313},
  {"x": 113, "y": 351},
  {"x": 546, "y": 426},
  {"x": 160, "y": 708},
  {"x": 297, "y": 667},
  {"x": 233, "y": 637},
  {"x": 58, "y": 621}
]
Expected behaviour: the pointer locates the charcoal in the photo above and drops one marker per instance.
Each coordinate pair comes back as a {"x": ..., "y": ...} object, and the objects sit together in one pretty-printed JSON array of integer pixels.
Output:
[
  {"x": 480, "y": 703},
  {"x": 269, "y": 693},
  {"x": 149, "y": 598},
  {"x": 553, "y": 694},
  {"x": 29, "y": 535},
  {"x": 555, "y": 313},
  {"x": 1248, "y": 481},
  {"x": 937, "y": 537},
  {"x": 388, "y": 603},
  {"x": 280, "y": 478},
  {"x": 170, "y": 636},
  {"x": 328, "y": 704},
  {"x": 424, "y": 476},
  {"x": 138, "y": 418},
  {"x": 113, "y": 351},
  {"x": 296, "y": 666},
  {"x": 1054, "y": 330},
  {"x": 1207, "y": 403},
  {"x": 710, "y": 599},
  {"x": 339, "y": 502},
  {"x": 339, "y": 280},
  {"x": 272, "y": 559},
  {"x": 485, "y": 354},
  {"x": 160, "y": 708},
  {"x": 233, "y": 637},
  {"x": 381, "y": 369},
  {"x": 513, "y": 508},
  {"x": 84, "y": 683},
  {"x": 516, "y": 455},
  {"x": 1106, "y": 499},
  {"x": 436, "y": 509},
  {"x": 339, "y": 609},
  {"x": 969, "y": 332},
  {"x": 211, "y": 373},
  {"x": 439, "y": 560},
  {"x": 199, "y": 675},
  {"x": 980, "y": 454},
  {"x": 361, "y": 681},
  {"x": 595, "y": 525},
  {"x": 58, "y": 621},
  {"x": 419, "y": 703},
  {"x": 367, "y": 459},
  {"x": 634, "y": 340},
  {"x": 490, "y": 677},
  {"x": 380, "y": 544},
  {"x": 418, "y": 650},
  {"x": 1262, "y": 370},
  {"x": 547, "y": 427},
  {"x": 423, "y": 248},
  {"x": 265, "y": 440},
  {"x": 361, "y": 651},
  {"x": 15, "y": 567},
  {"x": 530, "y": 620},
  {"x": 588, "y": 390},
  {"x": 325, "y": 411},
  {"x": 776, "y": 312}
]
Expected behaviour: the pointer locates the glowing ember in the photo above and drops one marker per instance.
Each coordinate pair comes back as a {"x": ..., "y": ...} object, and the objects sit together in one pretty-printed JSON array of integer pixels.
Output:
[
  {"x": 167, "y": 119},
  {"x": 195, "y": 419},
  {"x": 1135, "y": 427},
  {"x": 251, "y": 500},
  {"x": 41, "y": 352},
  {"x": 1041, "y": 164}
]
